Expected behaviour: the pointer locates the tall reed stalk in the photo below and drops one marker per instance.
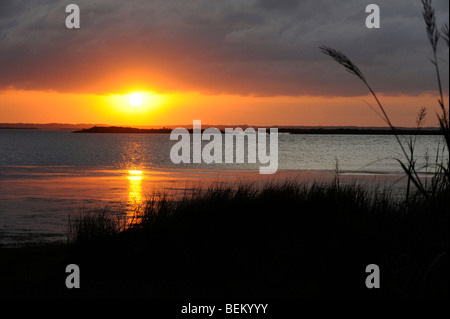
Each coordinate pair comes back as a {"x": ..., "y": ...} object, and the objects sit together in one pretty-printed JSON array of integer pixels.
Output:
[{"x": 441, "y": 175}]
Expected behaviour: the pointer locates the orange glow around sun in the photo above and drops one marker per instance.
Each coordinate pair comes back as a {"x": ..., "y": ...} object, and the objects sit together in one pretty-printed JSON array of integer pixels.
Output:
[
  {"x": 143, "y": 103},
  {"x": 181, "y": 108}
]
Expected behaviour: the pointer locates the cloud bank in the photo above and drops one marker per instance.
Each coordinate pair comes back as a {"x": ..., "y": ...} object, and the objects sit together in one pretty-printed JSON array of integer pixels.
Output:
[{"x": 254, "y": 47}]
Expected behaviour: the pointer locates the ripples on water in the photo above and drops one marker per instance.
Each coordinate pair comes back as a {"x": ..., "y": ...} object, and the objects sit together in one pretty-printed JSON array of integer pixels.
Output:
[
  {"x": 47, "y": 148},
  {"x": 45, "y": 173}
]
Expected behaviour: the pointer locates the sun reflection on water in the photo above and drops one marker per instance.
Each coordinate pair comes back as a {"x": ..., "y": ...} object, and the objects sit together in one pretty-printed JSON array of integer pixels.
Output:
[{"x": 135, "y": 197}]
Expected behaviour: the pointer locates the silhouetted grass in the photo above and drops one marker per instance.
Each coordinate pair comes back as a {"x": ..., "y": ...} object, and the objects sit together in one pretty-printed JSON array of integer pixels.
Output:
[
  {"x": 277, "y": 240},
  {"x": 94, "y": 226}
]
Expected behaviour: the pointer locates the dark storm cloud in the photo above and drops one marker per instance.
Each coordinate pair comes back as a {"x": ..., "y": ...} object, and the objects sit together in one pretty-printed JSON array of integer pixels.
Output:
[
  {"x": 256, "y": 47},
  {"x": 280, "y": 4}
]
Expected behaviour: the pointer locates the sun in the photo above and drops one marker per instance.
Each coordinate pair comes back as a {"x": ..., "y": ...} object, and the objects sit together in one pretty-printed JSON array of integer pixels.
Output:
[{"x": 136, "y": 99}]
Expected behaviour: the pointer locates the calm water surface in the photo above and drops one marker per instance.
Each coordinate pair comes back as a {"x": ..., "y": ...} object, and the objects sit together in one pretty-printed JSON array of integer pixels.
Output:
[{"x": 46, "y": 174}]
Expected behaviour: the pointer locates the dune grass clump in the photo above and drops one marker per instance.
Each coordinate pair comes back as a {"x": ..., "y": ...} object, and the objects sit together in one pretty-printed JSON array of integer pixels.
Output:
[
  {"x": 94, "y": 226},
  {"x": 279, "y": 240}
]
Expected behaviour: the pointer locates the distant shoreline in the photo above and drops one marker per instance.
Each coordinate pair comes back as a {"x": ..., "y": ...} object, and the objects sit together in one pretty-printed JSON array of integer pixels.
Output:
[
  {"x": 18, "y": 128},
  {"x": 119, "y": 129},
  {"x": 335, "y": 131}
]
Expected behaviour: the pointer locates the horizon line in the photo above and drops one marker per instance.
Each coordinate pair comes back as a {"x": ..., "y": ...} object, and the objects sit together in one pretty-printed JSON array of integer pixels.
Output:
[{"x": 21, "y": 124}]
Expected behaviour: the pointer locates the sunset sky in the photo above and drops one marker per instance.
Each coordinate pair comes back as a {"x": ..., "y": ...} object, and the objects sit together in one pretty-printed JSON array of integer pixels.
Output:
[{"x": 223, "y": 62}]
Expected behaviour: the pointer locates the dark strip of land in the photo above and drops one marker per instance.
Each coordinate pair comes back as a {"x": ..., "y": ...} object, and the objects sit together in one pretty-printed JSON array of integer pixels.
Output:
[
  {"x": 18, "y": 128},
  {"x": 343, "y": 131},
  {"x": 118, "y": 129}
]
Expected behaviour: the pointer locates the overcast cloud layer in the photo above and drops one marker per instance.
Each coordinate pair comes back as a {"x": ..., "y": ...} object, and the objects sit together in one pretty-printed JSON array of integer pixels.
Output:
[{"x": 258, "y": 47}]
